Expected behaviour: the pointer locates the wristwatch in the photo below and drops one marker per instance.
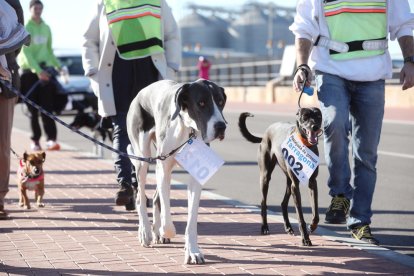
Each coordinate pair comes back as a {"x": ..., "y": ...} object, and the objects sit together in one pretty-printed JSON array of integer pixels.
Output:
[{"x": 409, "y": 59}]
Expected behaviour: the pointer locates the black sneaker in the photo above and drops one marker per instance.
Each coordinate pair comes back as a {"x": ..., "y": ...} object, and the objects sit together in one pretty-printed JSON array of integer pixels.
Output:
[
  {"x": 131, "y": 205},
  {"x": 363, "y": 233},
  {"x": 124, "y": 194},
  {"x": 338, "y": 210}
]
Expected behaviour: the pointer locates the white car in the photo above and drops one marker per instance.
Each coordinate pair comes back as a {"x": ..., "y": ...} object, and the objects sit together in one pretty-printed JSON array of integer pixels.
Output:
[{"x": 75, "y": 84}]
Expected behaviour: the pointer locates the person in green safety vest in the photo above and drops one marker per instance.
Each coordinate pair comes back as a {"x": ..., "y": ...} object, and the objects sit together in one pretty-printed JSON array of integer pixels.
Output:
[
  {"x": 127, "y": 46},
  {"x": 345, "y": 44}
]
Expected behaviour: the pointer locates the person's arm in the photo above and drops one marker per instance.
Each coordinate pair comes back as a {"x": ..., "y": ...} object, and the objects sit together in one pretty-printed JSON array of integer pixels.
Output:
[
  {"x": 306, "y": 29},
  {"x": 27, "y": 59},
  {"x": 4, "y": 73},
  {"x": 172, "y": 39},
  {"x": 407, "y": 72},
  {"x": 90, "y": 47},
  {"x": 401, "y": 25},
  {"x": 303, "y": 48},
  {"x": 15, "y": 4},
  {"x": 52, "y": 58},
  {"x": 18, "y": 8}
]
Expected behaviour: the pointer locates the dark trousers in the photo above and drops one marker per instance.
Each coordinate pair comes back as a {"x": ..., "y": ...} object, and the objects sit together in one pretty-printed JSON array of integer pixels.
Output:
[
  {"x": 42, "y": 95},
  {"x": 128, "y": 78}
]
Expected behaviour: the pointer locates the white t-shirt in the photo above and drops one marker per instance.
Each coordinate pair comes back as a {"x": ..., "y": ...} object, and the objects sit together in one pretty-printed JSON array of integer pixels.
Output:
[{"x": 310, "y": 22}]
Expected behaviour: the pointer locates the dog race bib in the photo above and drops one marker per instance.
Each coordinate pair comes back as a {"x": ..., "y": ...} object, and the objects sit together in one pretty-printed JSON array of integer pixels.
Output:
[
  {"x": 199, "y": 160},
  {"x": 299, "y": 158}
]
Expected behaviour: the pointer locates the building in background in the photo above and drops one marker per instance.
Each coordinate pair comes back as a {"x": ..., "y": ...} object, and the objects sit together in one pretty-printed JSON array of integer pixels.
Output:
[{"x": 255, "y": 30}]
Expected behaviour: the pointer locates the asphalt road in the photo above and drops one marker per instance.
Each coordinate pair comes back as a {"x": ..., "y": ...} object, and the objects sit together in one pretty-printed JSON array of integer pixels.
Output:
[{"x": 393, "y": 206}]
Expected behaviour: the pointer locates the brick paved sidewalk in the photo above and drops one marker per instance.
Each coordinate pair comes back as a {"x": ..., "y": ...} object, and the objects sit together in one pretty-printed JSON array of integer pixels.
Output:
[{"x": 80, "y": 232}]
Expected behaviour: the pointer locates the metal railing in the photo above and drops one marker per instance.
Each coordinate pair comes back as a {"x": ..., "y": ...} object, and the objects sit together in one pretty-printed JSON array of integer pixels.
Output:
[{"x": 251, "y": 73}]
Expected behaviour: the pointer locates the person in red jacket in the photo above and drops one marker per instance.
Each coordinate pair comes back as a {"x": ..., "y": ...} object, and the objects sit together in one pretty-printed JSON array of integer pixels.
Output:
[{"x": 203, "y": 66}]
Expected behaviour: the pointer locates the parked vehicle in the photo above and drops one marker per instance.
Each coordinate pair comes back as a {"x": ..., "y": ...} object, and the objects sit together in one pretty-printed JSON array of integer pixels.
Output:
[{"x": 75, "y": 84}]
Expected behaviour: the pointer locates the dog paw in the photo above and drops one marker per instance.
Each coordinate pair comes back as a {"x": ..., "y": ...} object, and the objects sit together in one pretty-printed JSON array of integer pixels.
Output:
[
  {"x": 265, "y": 230},
  {"x": 41, "y": 205},
  {"x": 144, "y": 237},
  {"x": 168, "y": 231},
  {"x": 194, "y": 258},
  {"x": 289, "y": 230},
  {"x": 28, "y": 207},
  {"x": 306, "y": 242},
  {"x": 21, "y": 204},
  {"x": 161, "y": 240}
]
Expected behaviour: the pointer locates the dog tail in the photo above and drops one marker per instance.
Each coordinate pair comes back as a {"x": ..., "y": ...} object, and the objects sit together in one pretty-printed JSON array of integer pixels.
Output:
[{"x": 244, "y": 131}]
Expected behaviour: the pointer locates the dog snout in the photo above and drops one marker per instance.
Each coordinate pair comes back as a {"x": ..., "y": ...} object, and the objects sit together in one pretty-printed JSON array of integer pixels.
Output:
[
  {"x": 220, "y": 128},
  {"x": 315, "y": 127}
]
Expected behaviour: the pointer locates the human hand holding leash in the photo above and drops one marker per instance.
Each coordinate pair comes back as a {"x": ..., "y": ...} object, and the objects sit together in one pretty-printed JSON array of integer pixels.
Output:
[
  {"x": 44, "y": 76},
  {"x": 5, "y": 74},
  {"x": 302, "y": 77}
]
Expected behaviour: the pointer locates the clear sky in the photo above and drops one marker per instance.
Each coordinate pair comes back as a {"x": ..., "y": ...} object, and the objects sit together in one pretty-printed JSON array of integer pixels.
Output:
[{"x": 68, "y": 19}]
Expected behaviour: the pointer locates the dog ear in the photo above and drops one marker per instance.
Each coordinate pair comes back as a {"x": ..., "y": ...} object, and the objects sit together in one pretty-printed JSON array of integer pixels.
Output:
[
  {"x": 44, "y": 156},
  {"x": 224, "y": 94},
  {"x": 25, "y": 155},
  {"x": 180, "y": 97}
]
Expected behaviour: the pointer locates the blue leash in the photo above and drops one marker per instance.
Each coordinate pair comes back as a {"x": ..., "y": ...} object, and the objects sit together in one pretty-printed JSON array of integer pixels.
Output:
[{"x": 50, "y": 115}]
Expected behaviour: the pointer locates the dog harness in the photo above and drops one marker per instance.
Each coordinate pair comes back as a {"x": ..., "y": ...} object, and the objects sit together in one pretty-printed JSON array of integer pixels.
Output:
[
  {"x": 358, "y": 29},
  {"x": 31, "y": 183},
  {"x": 135, "y": 26}
]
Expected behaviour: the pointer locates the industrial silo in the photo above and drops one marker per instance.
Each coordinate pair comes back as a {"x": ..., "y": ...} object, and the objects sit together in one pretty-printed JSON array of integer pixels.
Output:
[
  {"x": 199, "y": 30},
  {"x": 282, "y": 36},
  {"x": 249, "y": 32},
  {"x": 221, "y": 26}
]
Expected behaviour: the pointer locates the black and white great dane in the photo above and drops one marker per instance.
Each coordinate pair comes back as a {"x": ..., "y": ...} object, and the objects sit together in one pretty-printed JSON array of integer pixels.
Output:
[{"x": 167, "y": 112}]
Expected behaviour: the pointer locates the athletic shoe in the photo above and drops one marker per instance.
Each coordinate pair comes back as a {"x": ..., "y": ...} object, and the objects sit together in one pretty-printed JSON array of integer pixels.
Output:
[
  {"x": 52, "y": 145},
  {"x": 363, "y": 233},
  {"x": 3, "y": 213},
  {"x": 338, "y": 210},
  {"x": 131, "y": 205},
  {"x": 124, "y": 194},
  {"x": 35, "y": 146}
]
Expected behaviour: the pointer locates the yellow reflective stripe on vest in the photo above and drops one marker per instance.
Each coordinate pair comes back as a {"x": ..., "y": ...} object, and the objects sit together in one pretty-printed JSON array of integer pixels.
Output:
[
  {"x": 353, "y": 22},
  {"x": 135, "y": 26}
]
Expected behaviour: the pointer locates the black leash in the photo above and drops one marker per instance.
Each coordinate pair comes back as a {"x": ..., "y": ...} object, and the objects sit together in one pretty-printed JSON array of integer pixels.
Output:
[
  {"x": 15, "y": 154},
  {"x": 53, "y": 117}
]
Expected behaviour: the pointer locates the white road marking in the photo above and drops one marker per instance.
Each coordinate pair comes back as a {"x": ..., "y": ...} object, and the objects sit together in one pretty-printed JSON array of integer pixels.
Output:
[{"x": 396, "y": 154}]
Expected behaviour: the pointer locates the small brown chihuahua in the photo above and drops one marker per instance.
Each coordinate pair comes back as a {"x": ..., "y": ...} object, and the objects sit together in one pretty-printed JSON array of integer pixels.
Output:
[{"x": 31, "y": 177}]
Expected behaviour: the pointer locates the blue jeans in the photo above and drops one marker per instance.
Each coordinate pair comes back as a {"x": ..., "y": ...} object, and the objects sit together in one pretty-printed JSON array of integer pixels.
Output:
[
  {"x": 128, "y": 78},
  {"x": 352, "y": 110},
  {"x": 124, "y": 169}
]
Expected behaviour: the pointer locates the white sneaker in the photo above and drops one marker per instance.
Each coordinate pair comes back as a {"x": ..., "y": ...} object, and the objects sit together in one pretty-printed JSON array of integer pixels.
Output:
[
  {"x": 52, "y": 145},
  {"x": 35, "y": 146}
]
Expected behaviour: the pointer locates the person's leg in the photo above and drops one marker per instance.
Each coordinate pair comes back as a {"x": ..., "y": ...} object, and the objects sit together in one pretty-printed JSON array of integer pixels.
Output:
[
  {"x": 6, "y": 122},
  {"x": 367, "y": 112},
  {"x": 46, "y": 98},
  {"x": 120, "y": 142},
  {"x": 128, "y": 77},
  {"x": 334, "y": 98},
  {"x": 122, "y": 79},
  {"x": 28, "y": 82}
]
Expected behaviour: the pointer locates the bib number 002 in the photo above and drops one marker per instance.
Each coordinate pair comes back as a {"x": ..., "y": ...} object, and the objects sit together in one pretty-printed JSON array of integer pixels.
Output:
[{"x": 296, "y": 166}]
